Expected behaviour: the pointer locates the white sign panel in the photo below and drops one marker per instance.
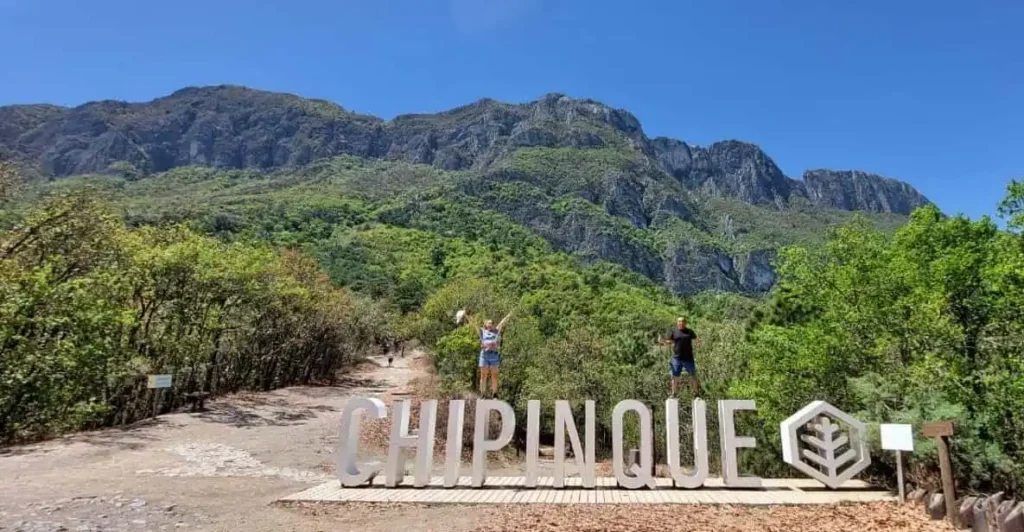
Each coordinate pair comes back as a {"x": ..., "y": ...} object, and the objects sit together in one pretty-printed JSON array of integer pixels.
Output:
[
  {"x": 897, "y": 437},
  {"x": 159, "y": 381}
]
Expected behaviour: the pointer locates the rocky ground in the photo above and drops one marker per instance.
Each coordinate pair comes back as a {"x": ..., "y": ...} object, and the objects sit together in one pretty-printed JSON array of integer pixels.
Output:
[{"x": 222, "y": 470}]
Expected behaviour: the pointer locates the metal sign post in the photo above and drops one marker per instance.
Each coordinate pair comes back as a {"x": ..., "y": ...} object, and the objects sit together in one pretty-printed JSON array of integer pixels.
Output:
[
  {"x": 158, "y": 383},
  {"x": 898, "y": 438}
]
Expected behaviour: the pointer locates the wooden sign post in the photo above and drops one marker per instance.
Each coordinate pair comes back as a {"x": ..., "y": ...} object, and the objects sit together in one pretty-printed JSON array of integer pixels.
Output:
[{"x": 941, "y": 431}]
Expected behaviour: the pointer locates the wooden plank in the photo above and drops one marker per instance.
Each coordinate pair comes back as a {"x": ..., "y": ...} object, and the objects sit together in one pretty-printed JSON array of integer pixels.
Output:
[
  {"x": 937, "y": 429},
  {"x": 331, "y": 491}
]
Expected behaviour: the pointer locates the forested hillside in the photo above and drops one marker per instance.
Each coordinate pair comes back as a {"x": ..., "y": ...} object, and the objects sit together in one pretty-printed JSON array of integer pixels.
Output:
[{"x": 241, "y": 239}]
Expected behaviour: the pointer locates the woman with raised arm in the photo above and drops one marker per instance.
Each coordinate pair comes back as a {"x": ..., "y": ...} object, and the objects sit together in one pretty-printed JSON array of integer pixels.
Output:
[{"x": 490, "y": 345}]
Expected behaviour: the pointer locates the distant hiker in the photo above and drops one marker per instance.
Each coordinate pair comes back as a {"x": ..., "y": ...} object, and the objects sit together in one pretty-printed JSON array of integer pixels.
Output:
[
  {"x": 490, "y": 342},
  {"x": 683, "y": 339},
  {"x": 391, "y": 359}
]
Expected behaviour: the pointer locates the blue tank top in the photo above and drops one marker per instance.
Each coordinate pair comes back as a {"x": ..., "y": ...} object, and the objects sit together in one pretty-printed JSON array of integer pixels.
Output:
[{"x": 489, "y": 340}]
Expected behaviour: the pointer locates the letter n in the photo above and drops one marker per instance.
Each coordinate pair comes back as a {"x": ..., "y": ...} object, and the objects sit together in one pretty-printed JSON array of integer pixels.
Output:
[{"x": 564, "y": 422}]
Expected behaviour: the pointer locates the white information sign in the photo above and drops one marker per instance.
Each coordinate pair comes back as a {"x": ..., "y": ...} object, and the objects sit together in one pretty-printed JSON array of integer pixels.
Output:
[
  {"x": 896, "y": 437},
  {"x": 159, "y": 381}
]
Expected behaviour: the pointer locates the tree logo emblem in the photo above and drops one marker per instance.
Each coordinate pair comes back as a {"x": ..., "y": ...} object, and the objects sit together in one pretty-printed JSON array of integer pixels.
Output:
[{"x": 814, "y": 441}]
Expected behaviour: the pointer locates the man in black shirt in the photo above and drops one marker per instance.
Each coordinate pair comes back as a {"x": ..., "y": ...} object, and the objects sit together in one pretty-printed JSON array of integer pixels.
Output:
[{"x": 683, "y": 340}]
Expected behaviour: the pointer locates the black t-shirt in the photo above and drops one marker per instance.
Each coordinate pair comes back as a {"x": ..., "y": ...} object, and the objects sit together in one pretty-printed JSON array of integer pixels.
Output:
[{"x": 683, "y": 340}]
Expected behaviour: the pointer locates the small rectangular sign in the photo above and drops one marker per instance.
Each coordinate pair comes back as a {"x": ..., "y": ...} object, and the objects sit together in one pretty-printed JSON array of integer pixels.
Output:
[
  {"x": 159, "y": 381},
  {"x": 937, "y": 429},
  {"x": 897, "y": 437}
]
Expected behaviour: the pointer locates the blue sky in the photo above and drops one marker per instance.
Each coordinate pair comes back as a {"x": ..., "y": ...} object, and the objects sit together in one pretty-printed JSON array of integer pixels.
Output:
[{"x": 931, "y": 92}]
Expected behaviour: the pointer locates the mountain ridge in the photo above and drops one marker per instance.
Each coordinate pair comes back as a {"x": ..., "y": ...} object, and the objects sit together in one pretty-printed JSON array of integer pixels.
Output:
[
  {"x": 580, "y": 175},
  {"x": 231, "y": 126}
]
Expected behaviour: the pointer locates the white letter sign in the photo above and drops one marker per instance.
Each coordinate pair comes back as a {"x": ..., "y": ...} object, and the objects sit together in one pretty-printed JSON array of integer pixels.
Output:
[
  {"x": 813, "y": 442},
  {"x": 641, "y": 472},
  {"x": 532, "y": 441},
  {"x": 453, "y": 449},
  {"x": 819, "y": 440},
  {"x": 481, "y": 444},
  {"x": 700, "y": 444},
  {"x": 584, "y": 459},
  {"x": 731, "y": 442},
  {"x": 423, "y": 442},
  {"x": 348, "y": 439}
]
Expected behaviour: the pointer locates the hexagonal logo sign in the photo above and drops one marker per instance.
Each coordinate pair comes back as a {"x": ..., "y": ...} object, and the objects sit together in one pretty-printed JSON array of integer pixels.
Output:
[{"x": 825, "y": 443}]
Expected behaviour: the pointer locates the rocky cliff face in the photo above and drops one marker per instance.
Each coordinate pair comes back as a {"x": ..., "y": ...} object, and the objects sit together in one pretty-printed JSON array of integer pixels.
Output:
[
  {"x": 741, "y": 170},
  {"x": 227, "y": 127},
  {"x": 649, "y": 183},
  {"x": 236, "y": 127},
  {"x": 854, "y": 190},
  {"x": 475, "y": 135},
  {"x": 729, "y": 169},
  {"x": 17, "y": 120}
]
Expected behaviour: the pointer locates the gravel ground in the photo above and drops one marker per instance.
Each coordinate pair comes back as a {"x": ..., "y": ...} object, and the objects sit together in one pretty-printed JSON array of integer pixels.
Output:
[
  {"x": 113, "y": 513},
  {"x": 634, "y": 518}
]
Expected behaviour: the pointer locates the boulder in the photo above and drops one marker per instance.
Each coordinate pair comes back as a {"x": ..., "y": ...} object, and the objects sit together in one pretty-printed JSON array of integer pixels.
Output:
[
  {"x": 984, "y": 513},
  {"x": 965, "y": 507},
  {"x": 917, "y": 496},
  {"x": 936, "y": 507},
  {"x": 1014, "y": 521},
  {"x": 1003, "y": 515}
]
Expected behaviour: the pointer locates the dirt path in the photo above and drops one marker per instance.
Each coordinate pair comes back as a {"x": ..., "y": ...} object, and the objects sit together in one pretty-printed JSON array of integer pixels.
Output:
[{"x": 216, "y": 470}]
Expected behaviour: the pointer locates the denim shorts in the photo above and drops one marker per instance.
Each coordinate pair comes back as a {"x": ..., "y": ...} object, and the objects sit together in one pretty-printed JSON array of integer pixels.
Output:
[
  {"x": 489, "y": 359},
  {"x": 676, "y": 367}
]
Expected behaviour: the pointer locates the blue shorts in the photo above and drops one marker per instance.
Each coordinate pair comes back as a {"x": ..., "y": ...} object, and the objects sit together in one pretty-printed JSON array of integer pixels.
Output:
[
  {"x": 489, "y": 359},
  {"x": 676, "y": 367}
]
